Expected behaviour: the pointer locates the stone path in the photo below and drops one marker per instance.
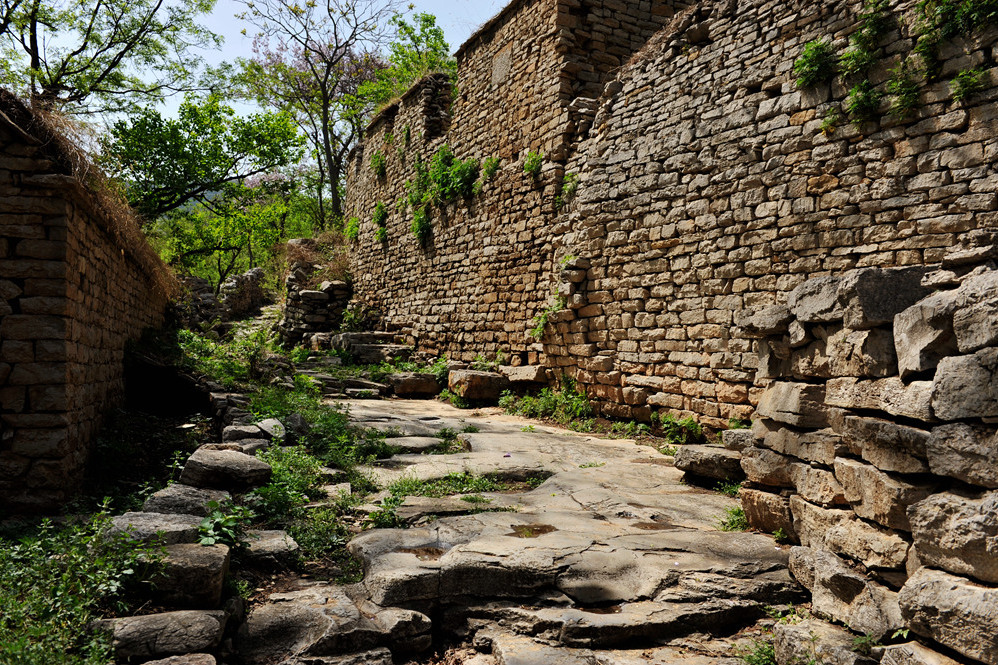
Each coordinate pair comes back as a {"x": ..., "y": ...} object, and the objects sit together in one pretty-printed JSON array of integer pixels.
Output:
[{"x": 612, "y": 559}]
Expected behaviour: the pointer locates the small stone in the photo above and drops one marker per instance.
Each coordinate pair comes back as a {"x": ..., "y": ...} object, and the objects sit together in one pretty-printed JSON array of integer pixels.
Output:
[
  {"x": 189, "y": 659},
  {"x": 913, "y": 653},
  {"x": 737, "y": 439},
  {"x": 273, "y": 429},
  {"x": 238, "y": 432}
]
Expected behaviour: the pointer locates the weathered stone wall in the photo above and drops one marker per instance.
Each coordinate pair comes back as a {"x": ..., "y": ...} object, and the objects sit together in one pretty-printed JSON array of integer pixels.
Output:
[
  {"x": 75, "y": 287},
  {"x": 874, "y": 446},
  {"x": 474, "y": 287},
  {"x": 706, "y": 189}
]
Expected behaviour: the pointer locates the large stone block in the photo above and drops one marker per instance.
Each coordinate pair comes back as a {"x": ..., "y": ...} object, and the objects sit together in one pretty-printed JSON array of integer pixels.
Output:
[
  {"x": 873, "y": 296},
  {"x": 797, "y": 404},
  {"x": 817, "y": 300},
  {"x": 923, "y": 334},
  {"x": 165, "y": 634},
  {"x": 817, "y": 485},
  {"x": 821, "y": 446},
  {"x": 912, "y": 400},
  {"x": 192, "y": 575},
  {"x": 765, "y": 511},
  {"x": 840, "y": 593},
  {"x": 710, "y": 462},
  {"x": 814, "y": 641},
  {"x": 966, "y": 386},
  {"x": 413, "y": 384},
  {"x": 765, "y": 467},
  {"x": 959, "y": 533},
  {"x": 965, "y": 452},
  {"x": 885, "y": 444},
  {"x": 840, "y": 531},
  {"x": 877, "y": 496},
  {"x": 471, "y": 384},
  {"x": 913, "y": 653},
  {"x": 952, "y": 611},
  {"x": 224, "y": 469},
  {"x": 861, "y": 353}
]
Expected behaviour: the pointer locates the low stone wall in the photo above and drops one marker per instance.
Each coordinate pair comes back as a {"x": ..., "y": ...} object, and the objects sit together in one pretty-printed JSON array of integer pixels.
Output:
[
  {"x": 874, "y": 445},
  {"x": 77, "y": 282}
]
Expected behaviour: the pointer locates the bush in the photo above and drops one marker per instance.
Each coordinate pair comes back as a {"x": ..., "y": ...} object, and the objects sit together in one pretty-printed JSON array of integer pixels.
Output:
[
  {"x": 816, "y": 64},
  {"x": 296, "y": 480},
  {"x": 863, "y": 103},
  {"x": 379, "y": 164},
  {"x": 968, "y": 82},
  {"x": 532, "y": 163},
  {"x": 351, "y": 230},
  {"x": 420, "y": 226},
  {"x": 380, "y": 217},
  {"x": 903, "y": 87},
  {"x": 563, "y": 406},
  {"x": 733, "y": 520}
]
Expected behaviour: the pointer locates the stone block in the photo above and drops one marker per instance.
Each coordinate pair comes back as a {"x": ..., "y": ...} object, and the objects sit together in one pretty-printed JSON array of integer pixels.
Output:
[
  {"x": 861, "y": 353},
  {"x": 965, "y": 452},
  {"x": 821, "y": 446},
  {"x": 923, "y": 334},
  {"x": 885, "y": 444},
  {"x": 240, "y": 432},
  {"x": 765, "y": 467},
  {"x": 191, "y": 575},
  {"x": 877, "y": 496},
  {"x": 737, "y": 439},
  {"x": 954, "y": 612},
  {"x": 872, "y": 297},
  {"x": 224, "y": 469},
  {"x": 766, "y": 511},
  {"x": 710, "y": 462},
  {"x": 838, "y": 592},
  {"x": 958, "y": 533},
  {"x": 272, "y": 429},
  {"x": 525, "y": 374},
  {"x": 168, "y": 633},
  {"x": 797, "y": 404},
  {"x": 161, "y": 528},
  {"x": 966, "y": 386},
  {"x": 816, "y": 485},
  {"x": 180, "y": 499},
  {"x": 769, "y": 320},
  {"x": 913, "y": 653},
  {"x": 813, "y": 641},
  {"x": 840, "y": 531},
  {"x": 472, "y": 384},
  {"x": 413, "y": 384},
  {"x": 817, "y": 301},
  {"x": 911, "y": 400}
]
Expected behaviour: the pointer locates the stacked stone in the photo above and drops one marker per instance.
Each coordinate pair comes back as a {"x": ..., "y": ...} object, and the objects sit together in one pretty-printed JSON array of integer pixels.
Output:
[
  {"x": 308, "y": 311},
  {"x": 76, "y": 284},
  {"x": 243, "y": 294},
  {"x": 874, "y": 446}
]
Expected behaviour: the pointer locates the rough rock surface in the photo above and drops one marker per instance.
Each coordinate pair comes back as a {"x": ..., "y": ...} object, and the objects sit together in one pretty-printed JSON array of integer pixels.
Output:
[
  {"x": 959, "y": 533},
  {"x": 710, "y": 462},
  {"x": 183, "y": 499},
  {"x": 166, "y": 634},
  {"x": 162, "y": 528},
  {"x": 224, "y": 469},
  {"x": 965, "y": 452},
  {"x": 475, "y": 385}
]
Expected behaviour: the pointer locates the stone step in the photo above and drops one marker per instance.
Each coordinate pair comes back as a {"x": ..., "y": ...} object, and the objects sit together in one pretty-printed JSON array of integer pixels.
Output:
[
  {"x": 161, "y": 528},
  {"x": 192, "y": 576},
  {"x": 165, "y": 634},
  {"x": 224, "y": 469},
  {"x": 177, "y": 498}
]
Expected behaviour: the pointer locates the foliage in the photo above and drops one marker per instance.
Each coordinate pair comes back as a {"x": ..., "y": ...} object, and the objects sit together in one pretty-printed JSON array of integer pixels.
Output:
[
  {"x": 381, "y": 234},
  {"x": 295, "y": 481},
  {"x": 490, "y": 166},
  {"x": 728, "y": 488},
  {"x": 967, "y": 83},
  {"x": 380, "y": 216},
  {"x": 453, "y": 483},
  {"x": 351, "y": 230},
  {"x": 762, "y": 652},
  {"x": 781, "y": 536},
  {"x": 532, "y": 163},
  {"x": 420, "y": 226},
  {"x": 856, "y": 60},
  {"x": 562, "y": 406},
  {"x": 231, "y": 364},
  {"x": 453, "y": 398},
  {"x": 681, "y": 431},
  {"x": 830, "y": 120},
  {"x": 379, "y": 164},
  {"x": 903, "y": 87},
  {"x": 416, "y": 50},
  {"x": 739, "y": 423},
  {"x": 102, "y": 57},
  {"x": 569, "y": 185},
  {"x": 541, "y": 320},
  {"x": 863, "y": 103},
  {"x": 225, "y": 524},
  {"x": 816, "y": 63},
  {"x": 58, "y": 580},
  {"x": 446, "y": 179},
  {"x": 733, "y": 520},
  {"x": 865, "y": 644}
]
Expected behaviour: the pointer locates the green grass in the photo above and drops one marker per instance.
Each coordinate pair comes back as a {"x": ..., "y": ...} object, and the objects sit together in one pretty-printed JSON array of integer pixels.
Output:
[
  {"x": 762, "y": 652},
  {"x": 733, "y": 520},
  {"x": 562, "y": 406},
  {"x": 728, "y": 488}
]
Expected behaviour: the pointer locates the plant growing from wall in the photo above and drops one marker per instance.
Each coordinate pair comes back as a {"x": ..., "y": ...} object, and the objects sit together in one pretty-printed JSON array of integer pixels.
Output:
[
  {"x": 967, "y": 83},
  {"x": 941, "y": 20},
  {"x": 816, "y": 64},
  {"x": 351, "y": 230},
  {"x": 569, "y": 185},
  {"x": 532, "y": 164},
  {"x": 490, "y": 166},
  {"x": 874, "y": 22},
  {"x": 541, "y": 320},
  {"x": 863, "y": 103},
  {"x": 420, "y": 226},
  {"x": 380, "y": 219},
  {"x": 903, "y": 87},
  {"x": 379, "y": 164}
]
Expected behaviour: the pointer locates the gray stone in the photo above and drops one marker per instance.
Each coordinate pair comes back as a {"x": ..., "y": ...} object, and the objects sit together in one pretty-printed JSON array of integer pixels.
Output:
[
  {"x": 415, "y": 444},
  {"x": 813, "y": 641},
  {"x": 192, "y": 575},
  {"x": 765, "y": 467},
  {"x": 770, "y": 320},
  {"x": 923, "y": 334},
  {"x": 912, "y": 400},
  {"x": 816, "y": 485},
  {"x": 372, "y": 657},
  {"x": 767, "y": 512},
  {"x": 183, "y": 499},
  {"x": 797, "y": 404},
  {"x": 861, "y": 353},
  {"x": 913, "y": 653},
  {"x": 954, "y": 612},
  {"x": 273, "y": 429},
  {"x": 189, "y": 659},
  {"x": 165, "y": 634},
  {"x": 821, "y": 446},
  {"x": 413, "y": 384},
  {"x": 274, "y": 548},
  {"x": 877, "y": 496},
  {"x": 737, "y": 439},
  {"x": 525, "y": 374},
  {"x": 958, "y": 533},
  {"x": 976, "y": 326},
  {"x": 840, "y": 531},
  {"x": 965, "y": 452},
  {"x": 710, "y": 462},
  {"x": 475, "y": 385},
  {"x": 237, "y": 432},
  {"x": 162, "y": 528},
  {"x": 874, "y": 296},
  {"x": 224, "y": 469},
  {"x": 298, "y": 427},
  {"x": 817, "y": 300},
  {"x": 840, "y": 593},
  {"x": 966, "y": 386},
  {"x": 885, "y": 444}
]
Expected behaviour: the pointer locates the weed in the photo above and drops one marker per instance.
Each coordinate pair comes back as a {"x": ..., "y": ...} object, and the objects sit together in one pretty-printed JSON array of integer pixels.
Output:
[
  {"x": 592, "y": 465},
  {"x": 739, "y": 423},
  {"x": 351, "y": 230},
  {"x": 733, "y": 520},
  {"x": 967, "y": 83},
  {"x": 563, "y": 406},
  {"x": 296, "y": 479},
  {"x": 668, "y": 450},
  {"x": 420, "y": 226},
  {"x": 379, "y": 164},
  {"x": 380, "y": 216},
  {"x": 528, "y": 428},
  {"x": 728, "y": 488},
  {"x": 903, "y": 87},
  {"x": 762, "y": 652},
  {"x": 569, "y": 185},
  {"x": 681, "y": 431},
  {"x": 321, "y": 532},
  {"x": 865, "y": 644},
  {"x": 900, "y": 633},
  {"x": 225, "y": 524},
  {"x": 781, "y": 536},
  {"x": 532, "y": 164},
  {"x": 816, "y": 64},
  {"x": 475, "y": 498},
  {"x": 449, "y": 443},
  {"x": 454, "y": 399},
  {"x": 863, "y": 103},
  {"x": 541, "y": 320},
  {"x": 381, "y": 235},
  {"x": 471, "y": 429},
  {"x": 830, "y": 121}
]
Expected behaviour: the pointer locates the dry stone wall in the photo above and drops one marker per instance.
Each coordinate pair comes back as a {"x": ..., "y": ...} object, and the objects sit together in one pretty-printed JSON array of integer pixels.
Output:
[
  {"x": 874, "y": 446},
  {"x": 74, "y": 288}
]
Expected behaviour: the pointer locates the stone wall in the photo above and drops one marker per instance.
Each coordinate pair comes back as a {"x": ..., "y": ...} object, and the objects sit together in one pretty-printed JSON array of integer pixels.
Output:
[
  {"x": 707, "y": 189},
  {"x": 874, "y": 446},
  {"x": 475, "y": 285},
  {"x": 77, "y": 282}
]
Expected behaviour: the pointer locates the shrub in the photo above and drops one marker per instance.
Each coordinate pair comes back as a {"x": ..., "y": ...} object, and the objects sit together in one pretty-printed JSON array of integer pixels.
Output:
[
  {"x": 380, "y": 217},
  {"x": 968, "y": 82},
  {"x": 381, "y": 234},
  {"x": 532, "y": 164},
  {"x": 225, "y": 524},
  {"x": 295, "y": 481},
  {"x": 420, "y": 226},
  {"x": 563, "y": 406},
  {"x": 863, "y": 103},
  {"x": 762, "y": 652},
  {"x": 351, "y": 230},
  {"x": 903, "y": 87},
  {"x": 681, "y": 431},
  {"x": 379, "y": 164},
  {"x": 489, "y": 168},
  {"x": 816, "y": 64},
  {"x": 733, "y": 520}
]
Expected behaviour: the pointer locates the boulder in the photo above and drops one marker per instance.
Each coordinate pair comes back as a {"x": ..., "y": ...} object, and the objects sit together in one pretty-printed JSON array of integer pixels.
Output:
[
  {"x": 958, "y": 533},
  {"x": 183, "y": 499},
  {"x": 273, "y": 429},
  {"x": 911, "y": 400},
  {"x": 413, "y": 384},
  {"x": 965, "y": 452},
  {"x": 872, "y": 297},
  {"x": 238, "y": 432},
  {"x": 817, "y": 301},
  {"x": 161, "y": 528},
  {"x": 821, "y": 446},
  {"x": 913, "y": 653},
  {"x": 765, "y": 467},
  {"x": 861, "y": 353},
  {"x": 224, "y": 469},
  {"x": 767, "y": 512},
  {"x": 165, "y": 634},
  {"x": 877, "y": 496},
  {"x": 710, "y": 462},
  {"x": 769, "y": 320},
  {"x": 840, "y": 593},
  {"x": 952, "y": 611},
  {"x": 885, "y": 444},
  {"x": 797, "y": 404},
  {"x": 529, "y": 375},
  {"x": 814, "y": 641},
  {"x": 923, "y": 334},
  {"x": 475, "y": 385},
  {"x": 192, "y": 575},
  {"x": 737, "y": 439},
  {"x": 966, "y": 386},
  {"x": 840, "y": 531}
]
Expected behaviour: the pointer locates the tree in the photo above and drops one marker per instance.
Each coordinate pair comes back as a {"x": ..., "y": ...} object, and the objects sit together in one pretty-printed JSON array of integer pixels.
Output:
[
  {"x": 167, "y": 163},
  {"x": 310, "y": 59},
  {"x": 84, "y": 56},
  {"x": 417, "y": 50}
]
